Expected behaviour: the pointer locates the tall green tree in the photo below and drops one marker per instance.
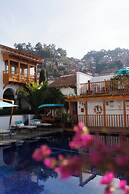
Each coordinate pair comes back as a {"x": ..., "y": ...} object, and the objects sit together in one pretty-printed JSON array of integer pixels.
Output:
[
  {"x": 37, "y": 94},
  {"x": 43, "y": 78},
  {"x": 52, "y": 56}
]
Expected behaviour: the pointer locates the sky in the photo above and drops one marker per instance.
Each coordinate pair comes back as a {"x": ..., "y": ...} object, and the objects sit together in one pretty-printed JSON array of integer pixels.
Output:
[{"x": 78, "y": 26}]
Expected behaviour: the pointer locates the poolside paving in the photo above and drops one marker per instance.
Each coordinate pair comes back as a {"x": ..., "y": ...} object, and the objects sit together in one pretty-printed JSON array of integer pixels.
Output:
[{"x": 26, "y": 134}]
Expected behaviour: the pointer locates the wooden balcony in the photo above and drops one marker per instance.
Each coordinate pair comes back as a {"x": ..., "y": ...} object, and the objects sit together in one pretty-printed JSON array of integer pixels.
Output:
[
  {"x": 105, "y": 87},
  {"x": 112, "y": 123},
  {"x": 17, "y": 78}
]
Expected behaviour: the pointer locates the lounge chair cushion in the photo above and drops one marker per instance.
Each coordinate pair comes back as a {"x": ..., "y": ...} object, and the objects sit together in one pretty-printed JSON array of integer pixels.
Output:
[{"x": 19, "y": 123}]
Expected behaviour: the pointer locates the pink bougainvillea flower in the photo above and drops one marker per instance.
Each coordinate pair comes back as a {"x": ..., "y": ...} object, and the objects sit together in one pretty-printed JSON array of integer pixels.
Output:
[
  {"x": 61, "y": 157},
  {"x": 81, "y": 128},
  {"x": 87, "y": 139},
  {"x": 109, "y": 189},
  {"x": 41, "y": 153},
  {"x": 85, "y": 130},
  {"x": 108, "y": 192},
  {"x": 50, "y": 162},
  {"x": 45, "y": 151},
  {"x": 37, "y": 155},
  {"x": 80, "y": 125},
  {"x": 107, "y": 178},
  {"x": 99, "y": 155},
  {"x": 95, "y": 158},
  {"x": 122, "y": 184},
  {"x": 76, "y": 129},
  {"x": 75, "y": 144},
  {"x": 63, "y": 172},
  {"x": 81, "y": 140},
  {"x": 126, "y": 191},
  {"x": 69, "y": 167},
  {"x": 121, "y": 160}
]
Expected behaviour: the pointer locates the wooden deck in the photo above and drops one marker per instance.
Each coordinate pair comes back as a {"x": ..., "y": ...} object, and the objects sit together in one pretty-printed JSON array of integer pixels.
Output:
[
  {"x": 17, "y": 78},
  {"x": 105, "y": 87},
  {"x": 119, "y": 123}
]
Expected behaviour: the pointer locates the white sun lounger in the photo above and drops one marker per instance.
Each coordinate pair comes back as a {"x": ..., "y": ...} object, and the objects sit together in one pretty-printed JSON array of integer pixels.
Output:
[{"x": 5, "y": 133}]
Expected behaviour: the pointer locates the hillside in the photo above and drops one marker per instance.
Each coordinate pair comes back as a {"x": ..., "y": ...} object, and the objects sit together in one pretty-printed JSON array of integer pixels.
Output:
[{"x": 58, "y": 63}]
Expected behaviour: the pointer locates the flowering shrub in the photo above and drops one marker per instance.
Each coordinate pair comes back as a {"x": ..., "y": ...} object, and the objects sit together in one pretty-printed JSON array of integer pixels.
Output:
[{"x": 110, "y": 161}]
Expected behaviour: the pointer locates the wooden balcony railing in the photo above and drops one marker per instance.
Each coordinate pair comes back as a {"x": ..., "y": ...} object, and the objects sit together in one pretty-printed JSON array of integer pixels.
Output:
[
  {"x": 108, "y": 121},
  {"x": 105, "y": 87},
  {"x": 19, "y": 78}
]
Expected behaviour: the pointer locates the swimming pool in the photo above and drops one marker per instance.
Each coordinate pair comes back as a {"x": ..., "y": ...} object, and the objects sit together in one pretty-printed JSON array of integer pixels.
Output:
[{"x": 19, "y": 174}]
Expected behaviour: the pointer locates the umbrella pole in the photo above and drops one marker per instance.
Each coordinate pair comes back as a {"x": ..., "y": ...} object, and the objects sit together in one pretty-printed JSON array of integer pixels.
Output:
[{"x": 10, "y": 119}]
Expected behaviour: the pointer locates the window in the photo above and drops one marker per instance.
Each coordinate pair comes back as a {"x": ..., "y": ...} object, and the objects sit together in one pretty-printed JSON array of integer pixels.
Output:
[
  {"x": 32, "y": 70},
  {"x": 13, "y": 69},
  {"x": 111, "y": 104},
  {"x": 6, "y": 65},
  {"x": 14, "y": 66}
]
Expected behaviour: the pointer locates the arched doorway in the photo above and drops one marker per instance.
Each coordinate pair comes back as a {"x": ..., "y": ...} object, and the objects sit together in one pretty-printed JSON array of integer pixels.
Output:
[{"x": 9, "y": 94}]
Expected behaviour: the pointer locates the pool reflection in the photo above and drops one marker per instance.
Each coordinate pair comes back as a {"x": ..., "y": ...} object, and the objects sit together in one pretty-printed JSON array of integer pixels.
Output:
[{"x": 19, "y": 174}]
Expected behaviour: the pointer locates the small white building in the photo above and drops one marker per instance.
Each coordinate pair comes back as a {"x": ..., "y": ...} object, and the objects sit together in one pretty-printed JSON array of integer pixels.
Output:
[{"x": 70, "y": 85}]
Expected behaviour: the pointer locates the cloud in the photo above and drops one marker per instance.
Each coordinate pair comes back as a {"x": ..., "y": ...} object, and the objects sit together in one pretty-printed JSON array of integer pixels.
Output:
[{"x": 76, "y": 25}]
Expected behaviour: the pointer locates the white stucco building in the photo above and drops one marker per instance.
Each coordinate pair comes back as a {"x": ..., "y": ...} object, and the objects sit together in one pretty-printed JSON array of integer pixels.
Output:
[
  {"x": 103, "y": 103},
  {"x": 70, "y": 85},
  {"x": 16, "y": 68}
]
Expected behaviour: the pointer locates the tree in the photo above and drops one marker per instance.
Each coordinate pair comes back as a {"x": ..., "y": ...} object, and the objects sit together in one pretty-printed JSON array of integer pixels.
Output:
[
  {"x": 31, "y": 94},
  {"x": 101, "y": 62},
  {"x": 36, "y": 94},
  {"x": 49, "y": 53},
  {"x": 43, "y": 78}
]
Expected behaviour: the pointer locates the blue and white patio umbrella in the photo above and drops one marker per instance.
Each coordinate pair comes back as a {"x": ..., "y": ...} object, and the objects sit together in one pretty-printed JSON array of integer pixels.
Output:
[
  {"x": 50, "y": 105},
  {"x": 123, "y": 71},
  {"x": 6, "y": 105}
]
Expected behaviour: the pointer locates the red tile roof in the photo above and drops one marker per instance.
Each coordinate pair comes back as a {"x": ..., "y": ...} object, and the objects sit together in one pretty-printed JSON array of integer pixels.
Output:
[
  {"x": 65, "y": 81},
  {"x": 21, "y": 53}
]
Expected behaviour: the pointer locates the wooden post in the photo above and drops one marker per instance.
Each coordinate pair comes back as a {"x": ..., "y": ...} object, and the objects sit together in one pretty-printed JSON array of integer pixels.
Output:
[
  {"x": 69, "y": 108},
  {"x": 124, "y": 109},
  {"x": 104, "y": 114},
  {"x": 89, "y": 88},
  {"x": 86, "y": 114},
  {"x": 35, "y": 73},
  {"x": 105, "y": 86},
  {"x": 28, "y": 73},
  {"x": 18, "y": 71},
  {"x": 9, "y": 67}
]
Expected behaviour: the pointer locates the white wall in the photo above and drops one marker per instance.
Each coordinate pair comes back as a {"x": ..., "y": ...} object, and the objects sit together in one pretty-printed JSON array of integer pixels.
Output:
[
  {"x": 81, "y": 108},
  {"x": 92, "y": 104},
  {"x": 4, "y": 120},
  {"x": 127, "y": 107},
  {"x": 68, "y": 91},
  {"x": 13, "y": 86},
  {"x": 114, "y": 107},
  {"x": 102, "y": 78},
  {"x": 81, "y": 79}
]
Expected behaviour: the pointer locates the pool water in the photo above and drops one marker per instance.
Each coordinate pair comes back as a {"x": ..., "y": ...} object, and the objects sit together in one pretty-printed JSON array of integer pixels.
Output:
[{"x": 19, "y": 174}]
